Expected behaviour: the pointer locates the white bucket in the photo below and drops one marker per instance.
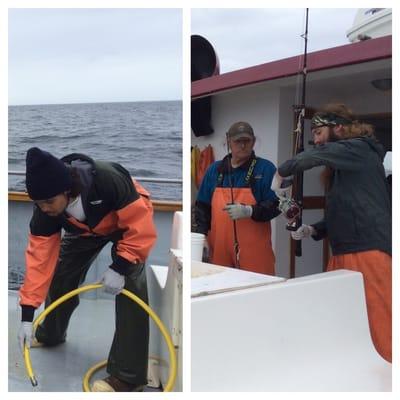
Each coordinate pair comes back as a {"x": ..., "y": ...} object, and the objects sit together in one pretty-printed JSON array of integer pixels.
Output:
[{"x": 198, "y": 240}]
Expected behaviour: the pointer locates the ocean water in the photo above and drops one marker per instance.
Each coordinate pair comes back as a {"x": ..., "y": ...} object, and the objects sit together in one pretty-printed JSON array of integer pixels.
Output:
[{"x": 144, "y": 137}]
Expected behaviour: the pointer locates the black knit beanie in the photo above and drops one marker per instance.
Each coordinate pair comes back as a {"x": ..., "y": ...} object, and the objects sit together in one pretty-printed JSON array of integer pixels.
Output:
[{"x": 46, "y": 175}]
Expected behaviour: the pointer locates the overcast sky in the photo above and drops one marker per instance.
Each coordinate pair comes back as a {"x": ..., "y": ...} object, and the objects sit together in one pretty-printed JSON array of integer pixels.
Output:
[
  {"x": 94, "y": 55},
  {"x": 247, "y": 37}
]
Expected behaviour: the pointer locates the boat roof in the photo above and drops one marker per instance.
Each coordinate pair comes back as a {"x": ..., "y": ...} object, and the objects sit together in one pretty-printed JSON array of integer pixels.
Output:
[{"x": 349, "y": 54}]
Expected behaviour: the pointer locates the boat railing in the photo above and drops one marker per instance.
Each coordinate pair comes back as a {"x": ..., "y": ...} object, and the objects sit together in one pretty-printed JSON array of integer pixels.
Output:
[
  {"x": 138, "y": 178},
  {"x": 159, "y": 205}
]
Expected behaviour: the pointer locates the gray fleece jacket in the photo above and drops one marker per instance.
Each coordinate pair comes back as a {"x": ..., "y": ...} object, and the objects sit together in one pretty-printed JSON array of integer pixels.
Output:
[{"x": 358, "y": 206}]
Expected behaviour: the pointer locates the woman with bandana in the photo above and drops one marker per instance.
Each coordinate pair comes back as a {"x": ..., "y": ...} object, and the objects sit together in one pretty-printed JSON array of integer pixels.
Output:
[{"x": 358, "y": 209}]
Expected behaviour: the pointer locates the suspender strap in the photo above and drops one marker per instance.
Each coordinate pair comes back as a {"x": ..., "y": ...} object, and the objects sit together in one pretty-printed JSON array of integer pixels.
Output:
[
  {"x": 220, "y": 179},
  {"x": 250, "y": 171}
]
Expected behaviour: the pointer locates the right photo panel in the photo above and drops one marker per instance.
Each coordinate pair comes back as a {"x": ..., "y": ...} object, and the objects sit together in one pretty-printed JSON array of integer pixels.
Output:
[{"x": 291, "y": 199}]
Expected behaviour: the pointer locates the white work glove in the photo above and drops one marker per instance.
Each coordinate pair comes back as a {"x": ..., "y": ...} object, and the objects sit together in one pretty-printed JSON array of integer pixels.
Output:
[
  {"x": 281, "y": 186},
  {"x": 304, "y": 232},
  {"x": 113, "y": 281},
  {"x": 238, "y": 211},
  {"x": 25, "y": 334}
]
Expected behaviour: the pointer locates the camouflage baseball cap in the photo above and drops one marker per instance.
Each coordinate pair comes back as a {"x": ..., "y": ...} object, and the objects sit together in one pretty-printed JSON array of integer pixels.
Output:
[{"x": 240, "y": 129}]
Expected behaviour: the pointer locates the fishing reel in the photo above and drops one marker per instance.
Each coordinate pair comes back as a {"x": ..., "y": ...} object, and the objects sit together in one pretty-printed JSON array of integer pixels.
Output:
[
  {"x": 287, "y": 206},
  {"x": 290, "y": 210}
]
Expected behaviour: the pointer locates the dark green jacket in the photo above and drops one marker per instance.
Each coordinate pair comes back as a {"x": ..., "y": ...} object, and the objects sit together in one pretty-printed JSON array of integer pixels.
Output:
[{"x": 358, "y": 207}]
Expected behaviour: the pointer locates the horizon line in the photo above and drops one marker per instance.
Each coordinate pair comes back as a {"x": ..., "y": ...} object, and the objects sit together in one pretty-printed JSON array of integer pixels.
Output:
[{"x": 91, "y": 102}]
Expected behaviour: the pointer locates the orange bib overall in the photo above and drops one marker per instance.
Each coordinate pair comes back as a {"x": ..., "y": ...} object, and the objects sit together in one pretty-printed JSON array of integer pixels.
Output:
[
  {"x": 254, "y": 238},
  {"x": 376, "y": 267}
]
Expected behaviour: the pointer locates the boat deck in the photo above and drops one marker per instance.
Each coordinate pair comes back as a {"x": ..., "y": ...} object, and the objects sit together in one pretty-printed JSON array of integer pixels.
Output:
[{"x": 61, "y": 368}]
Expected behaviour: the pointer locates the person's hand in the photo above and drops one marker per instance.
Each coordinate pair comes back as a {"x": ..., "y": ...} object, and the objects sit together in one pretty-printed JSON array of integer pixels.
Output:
[
  {"x": 113, "y": 281},
  {"x": 304, "y": 232},
  {"x": 281, "y": 186},
  {"x": 25, "y": 335},
  {"x": 238, "y": 211}
]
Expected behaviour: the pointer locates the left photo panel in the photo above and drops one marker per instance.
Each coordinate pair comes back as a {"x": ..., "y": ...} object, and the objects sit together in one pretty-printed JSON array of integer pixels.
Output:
[{"x": 95, "y": 200}]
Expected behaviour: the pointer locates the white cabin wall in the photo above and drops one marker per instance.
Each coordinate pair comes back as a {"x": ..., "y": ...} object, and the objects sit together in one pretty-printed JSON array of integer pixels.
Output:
[{"x": 252, "y": 104}]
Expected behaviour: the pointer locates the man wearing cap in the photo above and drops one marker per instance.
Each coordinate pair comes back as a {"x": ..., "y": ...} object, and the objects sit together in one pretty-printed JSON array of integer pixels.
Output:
[
  {"x": 235, "y": 204},
  {"x": 358, "y": 209},
  {"x": 95, "y": 203}
]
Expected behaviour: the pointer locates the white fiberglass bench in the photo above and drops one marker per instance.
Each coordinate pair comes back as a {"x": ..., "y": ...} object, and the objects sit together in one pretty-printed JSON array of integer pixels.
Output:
[
  {"x": 304, "y": 334},
  {"x": 165, "y": 298}
]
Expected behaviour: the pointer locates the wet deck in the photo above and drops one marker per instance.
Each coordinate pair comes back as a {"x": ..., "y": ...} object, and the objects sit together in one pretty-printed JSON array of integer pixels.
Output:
[{"x": 61, "y": 368}]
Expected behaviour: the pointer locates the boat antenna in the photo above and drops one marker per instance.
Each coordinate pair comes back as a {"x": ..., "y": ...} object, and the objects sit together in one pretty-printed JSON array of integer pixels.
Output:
[
  {"x": 300, "y": 113},
  {"x": 236, "y": 247}
]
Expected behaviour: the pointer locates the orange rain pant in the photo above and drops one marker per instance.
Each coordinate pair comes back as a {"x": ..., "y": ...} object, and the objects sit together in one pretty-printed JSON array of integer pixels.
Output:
[
  {"x": 376, "y": 267},
  {"x": 254, "y": 238}
]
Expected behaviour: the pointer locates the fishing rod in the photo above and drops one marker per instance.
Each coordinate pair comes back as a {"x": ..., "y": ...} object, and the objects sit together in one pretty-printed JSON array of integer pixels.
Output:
[
  {"x": 300, "y": 113},
  {"x": 236, "y": 247}
]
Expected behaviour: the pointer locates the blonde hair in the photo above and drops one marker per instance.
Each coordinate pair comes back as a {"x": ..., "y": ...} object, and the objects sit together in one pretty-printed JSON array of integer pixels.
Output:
[{"x": 352, "y": 130}]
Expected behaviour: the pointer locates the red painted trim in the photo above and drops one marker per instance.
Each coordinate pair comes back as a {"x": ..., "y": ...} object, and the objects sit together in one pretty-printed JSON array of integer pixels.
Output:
[{"x": 354, "y": 53}]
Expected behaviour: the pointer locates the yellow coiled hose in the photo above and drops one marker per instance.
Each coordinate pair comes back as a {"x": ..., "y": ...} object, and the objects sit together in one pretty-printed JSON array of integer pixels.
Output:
[{"x": 85, "y": 383}]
